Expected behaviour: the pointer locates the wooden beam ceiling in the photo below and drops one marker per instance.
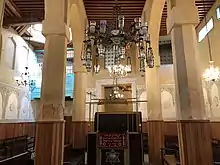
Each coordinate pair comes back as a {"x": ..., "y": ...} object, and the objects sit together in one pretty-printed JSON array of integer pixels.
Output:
[{"x": 23, "y": 12}]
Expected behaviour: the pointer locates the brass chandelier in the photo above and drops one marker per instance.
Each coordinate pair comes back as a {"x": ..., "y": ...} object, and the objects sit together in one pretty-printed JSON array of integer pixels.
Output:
[{"x": 110, "y": 42}]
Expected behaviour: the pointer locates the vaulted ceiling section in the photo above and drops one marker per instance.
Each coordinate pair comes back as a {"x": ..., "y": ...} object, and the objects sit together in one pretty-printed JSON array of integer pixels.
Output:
[{"x": 20, "y": 13}]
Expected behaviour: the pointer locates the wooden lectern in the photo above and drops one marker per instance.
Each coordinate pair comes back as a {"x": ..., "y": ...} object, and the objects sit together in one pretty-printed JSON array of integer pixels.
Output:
[{"x": 117, "y": 140}]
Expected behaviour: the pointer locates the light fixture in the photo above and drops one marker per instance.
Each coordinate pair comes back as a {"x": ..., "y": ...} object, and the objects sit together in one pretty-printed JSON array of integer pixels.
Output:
[
  {"x": 24, "y": 79},
  {"x": 212, "y": 73},
  {"x": 118, "y": 71},
  {"x": 108, "y": 40},
  {"x": 115, "y": 94}
]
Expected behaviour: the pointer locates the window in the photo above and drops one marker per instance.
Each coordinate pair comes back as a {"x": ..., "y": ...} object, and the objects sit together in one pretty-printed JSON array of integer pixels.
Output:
[
  {"x": 70, "y": 54},
  {"x": 166, "y": 57},
  {"x": 218, "y": 13},
  {"x": 206, "y": 29},
  {"x": 69, "y": 69}
]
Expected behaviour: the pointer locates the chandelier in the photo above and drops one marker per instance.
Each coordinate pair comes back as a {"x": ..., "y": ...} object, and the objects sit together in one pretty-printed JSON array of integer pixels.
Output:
[
  {"x": 212, "y": 73},
  {"x": 24, "y": 79},
  {"x": 119, "y": 70},
  {"x": 115, "y": 94},
  {"x": 110, "y": 42}
]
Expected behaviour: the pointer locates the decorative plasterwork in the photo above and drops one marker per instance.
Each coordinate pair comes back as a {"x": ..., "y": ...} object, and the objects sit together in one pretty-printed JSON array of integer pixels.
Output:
[{"x": 6, "y": 90}]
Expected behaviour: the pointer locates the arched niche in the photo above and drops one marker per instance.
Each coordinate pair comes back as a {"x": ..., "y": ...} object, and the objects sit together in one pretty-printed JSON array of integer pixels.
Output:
[
  {"x": 143, "y": 106},
  {"x": 11, "y": 111},
  {"x": 1, "y": 105},
  {"x": 215, "y": 104},
  {"x": 10, "y": 53},
  {"x": 167, "y": 105},
  {"x": 207, "y": 104},
  {"x": 25, "y": 108}
]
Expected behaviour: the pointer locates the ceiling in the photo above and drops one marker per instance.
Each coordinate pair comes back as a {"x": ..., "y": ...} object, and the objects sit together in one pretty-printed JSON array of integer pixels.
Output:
[{"x": 19, "y": 13}]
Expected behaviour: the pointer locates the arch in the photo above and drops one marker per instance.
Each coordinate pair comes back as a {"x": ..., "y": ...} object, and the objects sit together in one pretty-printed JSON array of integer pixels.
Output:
[
  {"x": 152, "y": 13},
  {"x": 215, "y": 102},
  {"x": 11, "y": 111},
  {"x": 10, "y": 53},
  {"x": 25, "y": 108},
  {"x": 1, "y": 105},
  {"x": 78, "y": 22},
  {"x": 167, "y": 105},
  {"x": 143, "y": 106}
]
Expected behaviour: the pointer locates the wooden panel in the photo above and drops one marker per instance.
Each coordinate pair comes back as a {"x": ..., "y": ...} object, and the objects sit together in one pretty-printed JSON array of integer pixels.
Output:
[
  {"x": 195, "y": 142},
  {"x": 170, "y": 128},
  {"x": 49, "y": 143},
  {"x": 79, "y": 131},
  {"x": 68, "y": 129},
  {"x": 10, "y": 130},
  {"x": 155, "y": 141},
  {"x": 144, "y": 127},
  {"x": 215, "y": 130}
]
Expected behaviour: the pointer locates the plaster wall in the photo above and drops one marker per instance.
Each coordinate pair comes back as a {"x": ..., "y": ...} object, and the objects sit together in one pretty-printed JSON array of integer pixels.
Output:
[{"x": 15, "y": 55}]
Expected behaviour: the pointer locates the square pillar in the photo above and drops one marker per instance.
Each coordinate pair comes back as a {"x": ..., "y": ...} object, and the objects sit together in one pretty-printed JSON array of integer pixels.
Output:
[{"x": 193, "y": 128}]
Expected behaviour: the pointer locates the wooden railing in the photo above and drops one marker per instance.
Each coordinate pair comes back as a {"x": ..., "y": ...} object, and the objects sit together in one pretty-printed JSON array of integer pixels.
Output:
[{"x": 17, "y": 149}]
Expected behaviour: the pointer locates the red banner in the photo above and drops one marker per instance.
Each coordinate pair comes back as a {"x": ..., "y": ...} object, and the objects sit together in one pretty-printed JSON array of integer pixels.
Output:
[{"x": 107, "y": 140}]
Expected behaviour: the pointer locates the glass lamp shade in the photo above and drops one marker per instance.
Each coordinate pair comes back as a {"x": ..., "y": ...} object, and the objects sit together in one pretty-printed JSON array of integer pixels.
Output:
[
  {"x": 212, "y": 73},
  {"x": 118, "y": 71},
  {"x": 96, "y": 68}
]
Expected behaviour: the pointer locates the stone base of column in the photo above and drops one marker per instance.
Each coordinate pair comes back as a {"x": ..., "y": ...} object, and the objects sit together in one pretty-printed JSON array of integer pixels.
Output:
[
  {"x": 195, "y": 142},
  {"x": 155, "y": 141},
  {"x": 79, "y": 134},
  {"x": 49, "y": 143}
]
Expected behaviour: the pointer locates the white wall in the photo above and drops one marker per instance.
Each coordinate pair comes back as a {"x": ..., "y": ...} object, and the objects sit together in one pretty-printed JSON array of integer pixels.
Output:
[{"x": 15, "y": 56}]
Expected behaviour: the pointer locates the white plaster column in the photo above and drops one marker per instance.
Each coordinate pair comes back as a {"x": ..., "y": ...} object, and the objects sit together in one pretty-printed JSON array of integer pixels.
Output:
[
  {"x": 152, "y": 14},
  {"x": 80, "y": 86},
  {"x": 50, "y": 122},
  {"x": 152, "y": 74},
  {"x": 189, "y": 99},
  {"x": 2, "y": 7},
  {"x": 79, "y": 124},
  {"x": 193, "y": 129}
]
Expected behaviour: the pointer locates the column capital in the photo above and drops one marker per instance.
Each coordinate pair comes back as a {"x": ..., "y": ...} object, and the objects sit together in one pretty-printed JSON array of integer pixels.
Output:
[
  {"x": 59, "y": 29},
  {"x": 180, "y": 13}
]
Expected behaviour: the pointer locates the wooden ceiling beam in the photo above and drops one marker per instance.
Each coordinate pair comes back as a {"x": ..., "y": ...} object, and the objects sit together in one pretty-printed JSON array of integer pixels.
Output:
[
  {"x": 23, "y": 29},
  {"x": 10, "y": 4},
  {"x": 23, "y": 21}
]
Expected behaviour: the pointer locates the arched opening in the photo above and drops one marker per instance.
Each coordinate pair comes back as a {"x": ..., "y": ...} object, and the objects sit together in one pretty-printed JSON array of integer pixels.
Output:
[
  {"x": 12, "y": 107},
  {"x": 25, "y": 108},
  {"x": 167, "y": 105}
]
